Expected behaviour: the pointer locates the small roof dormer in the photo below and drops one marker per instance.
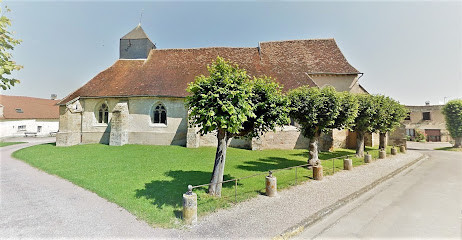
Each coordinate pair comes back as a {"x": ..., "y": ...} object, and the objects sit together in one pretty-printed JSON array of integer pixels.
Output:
[{"x": 136, "y": 44}]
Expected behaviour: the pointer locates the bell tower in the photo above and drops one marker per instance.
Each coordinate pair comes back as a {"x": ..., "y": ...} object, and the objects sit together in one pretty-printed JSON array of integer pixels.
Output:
[{"x": 135, "y": 44}]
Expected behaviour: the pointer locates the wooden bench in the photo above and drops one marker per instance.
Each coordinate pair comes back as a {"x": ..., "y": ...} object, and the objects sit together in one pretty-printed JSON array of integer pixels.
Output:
[{"x": 33, "y": 134}]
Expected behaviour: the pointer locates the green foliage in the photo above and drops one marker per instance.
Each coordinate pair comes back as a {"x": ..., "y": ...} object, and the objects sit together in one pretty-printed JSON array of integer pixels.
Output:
[
  {"x": 270, "y": 106},
  {"x": 347, "y": 112},
  {"x": 420, "y": 136},
  {"x": 366, "y": 118},
  {"x": 317, "y": 110},
  {"x": 453, "y": 114},
  {"x": 229, "y": 100},
  {"x": 390, "y": 113},
  {"x": 7, "y": 43}
]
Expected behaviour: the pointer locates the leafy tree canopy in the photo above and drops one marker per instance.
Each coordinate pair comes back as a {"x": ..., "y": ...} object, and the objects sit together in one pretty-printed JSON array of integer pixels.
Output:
[
  {"x": 228, "y": 99},
  {"x": 314, "y": 109},
  {"x": 390, "y": 113},
  {"x": 347, "y": 112},
  {"x": 366, "y": 118},
  {"x": 7, "y": 44},
  {"x": 453, "y": 115}
]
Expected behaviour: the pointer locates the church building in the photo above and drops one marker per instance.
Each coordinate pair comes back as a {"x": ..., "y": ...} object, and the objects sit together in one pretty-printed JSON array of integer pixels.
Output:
[{"x": 140, "y": 98}]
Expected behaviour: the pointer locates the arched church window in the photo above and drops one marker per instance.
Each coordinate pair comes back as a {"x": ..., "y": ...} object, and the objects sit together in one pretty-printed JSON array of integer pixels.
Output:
[
  {"x": 103, "y": 114},
  {"x": 159, "y": 114}
]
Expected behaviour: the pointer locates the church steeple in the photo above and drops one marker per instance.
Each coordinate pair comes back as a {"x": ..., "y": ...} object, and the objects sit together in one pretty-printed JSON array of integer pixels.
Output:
[{"x": 135, "y": 44}]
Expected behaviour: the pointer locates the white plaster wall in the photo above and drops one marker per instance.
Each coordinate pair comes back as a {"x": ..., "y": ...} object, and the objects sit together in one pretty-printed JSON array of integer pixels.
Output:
[
  {"x": 339, "y": 82},
  {"x": 141, "y": 130},
  {"x": 9, "y": 128}
]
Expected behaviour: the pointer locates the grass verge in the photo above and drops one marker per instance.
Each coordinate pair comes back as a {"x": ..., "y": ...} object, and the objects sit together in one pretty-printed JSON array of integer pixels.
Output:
[
  {"x": 4, "y": 144},
  {"x": 149, "y": 181},
  {"x": 453, "y": 149}
]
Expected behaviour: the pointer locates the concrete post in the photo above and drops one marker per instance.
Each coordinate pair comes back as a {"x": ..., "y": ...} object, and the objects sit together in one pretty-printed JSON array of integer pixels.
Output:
[
  {"x": 189, "y": 206},
  {"x": 271, "y": 185},
  {"x": 367, "y": 158},
  {"x": 317, "y": 172},
  {"x": 402, "y": 149},
  {"x": 347, "y": 164},
  {"x": 393, "y": 151},
  {"x": 382, "y": 154}
]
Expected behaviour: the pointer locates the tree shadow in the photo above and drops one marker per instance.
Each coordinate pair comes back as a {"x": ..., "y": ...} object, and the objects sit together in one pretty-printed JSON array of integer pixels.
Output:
[
  {"x": 270, "y": 163},
  {"x": 168, "y": 192},
  {"x": 326, "y": 155}
]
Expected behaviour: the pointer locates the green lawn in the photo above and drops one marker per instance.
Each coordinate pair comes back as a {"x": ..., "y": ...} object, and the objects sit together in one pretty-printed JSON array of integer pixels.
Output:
[
  {"x": 450, "y": 149},
  {"x": 149, "y": 181},
  {"x": 4, "y": 144}
]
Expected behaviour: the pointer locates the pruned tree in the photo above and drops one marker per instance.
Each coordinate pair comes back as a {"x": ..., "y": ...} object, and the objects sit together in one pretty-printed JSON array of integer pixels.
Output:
[
  {"x": 390, "y": 113},
  {"x": 453, "y": 115},
  {"x": 319, "y": 110},
  {"x": 365, "y": 120},
  {"x": 228, "y": 103},
  {"x": 7, "y": 44}
]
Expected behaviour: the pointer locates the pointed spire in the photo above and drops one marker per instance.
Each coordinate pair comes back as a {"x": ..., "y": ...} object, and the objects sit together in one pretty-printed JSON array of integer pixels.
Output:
[{"x": 136, "y": 33}]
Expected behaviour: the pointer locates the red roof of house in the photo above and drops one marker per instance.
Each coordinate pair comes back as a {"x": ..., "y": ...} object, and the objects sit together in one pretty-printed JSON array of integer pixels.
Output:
[
  {"x": 167, "y": 72},
  {"x": 18, "y": 107}
]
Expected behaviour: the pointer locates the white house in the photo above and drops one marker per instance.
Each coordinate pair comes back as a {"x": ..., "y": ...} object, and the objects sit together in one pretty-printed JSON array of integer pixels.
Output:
[{"x": 34, "y": 116}]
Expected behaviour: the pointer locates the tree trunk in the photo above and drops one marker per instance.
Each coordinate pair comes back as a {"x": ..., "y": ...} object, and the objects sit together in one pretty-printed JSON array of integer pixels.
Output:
[
  {"x": 314, "y": 160},
  {"x": 219, "y": 166},
  {"x": 383, "y": 140},
  {"x": 360, "y": 144},
  {"x": 458, "y": 142}
]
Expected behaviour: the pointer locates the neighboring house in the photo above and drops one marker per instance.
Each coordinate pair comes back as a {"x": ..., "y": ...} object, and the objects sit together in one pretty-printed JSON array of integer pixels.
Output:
[
  {"x": 36, "y": 116},
  {"x": 140, "y": 98},
  {"x": 429, "y": 120}
]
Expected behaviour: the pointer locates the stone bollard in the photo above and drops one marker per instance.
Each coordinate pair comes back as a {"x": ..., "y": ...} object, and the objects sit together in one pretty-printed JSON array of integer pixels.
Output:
[
  {"x": 189, "y": 206},
  {"x": 271, "y": 185},
  {"x": 393, "y": 151},
  {"x": 402, "y": 149},
  {"x": 347, "y": 164},
  {"x": 382, "y": 154},
  {"x": 317, "y": 172},
  {"x": 367, "y": 158}
]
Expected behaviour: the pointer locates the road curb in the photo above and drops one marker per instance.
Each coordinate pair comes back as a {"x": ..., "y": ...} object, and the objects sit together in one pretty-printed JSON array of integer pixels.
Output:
[{"x": 298, "y": 228}]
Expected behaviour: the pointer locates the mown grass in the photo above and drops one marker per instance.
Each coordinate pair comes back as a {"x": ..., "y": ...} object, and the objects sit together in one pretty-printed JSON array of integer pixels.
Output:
[
  {"x": 149, "y": 181},
  {"x": 453, "y": 149},
  {"x": 4, "y": 144}
]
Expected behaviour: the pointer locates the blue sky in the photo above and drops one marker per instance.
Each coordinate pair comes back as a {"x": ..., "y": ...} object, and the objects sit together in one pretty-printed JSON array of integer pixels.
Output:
[{"x": 411, "y": 51}]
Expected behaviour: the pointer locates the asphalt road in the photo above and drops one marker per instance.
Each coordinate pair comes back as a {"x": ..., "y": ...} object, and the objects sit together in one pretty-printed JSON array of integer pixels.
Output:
[
  {"x": 34, "y": 204},
  {"x": 424, "y": 201}
]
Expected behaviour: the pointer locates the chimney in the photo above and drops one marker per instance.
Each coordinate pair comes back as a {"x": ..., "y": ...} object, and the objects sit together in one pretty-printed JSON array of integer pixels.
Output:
[
  {"x": 427, "y": 103},
  {"x": 53, "y": 96}
]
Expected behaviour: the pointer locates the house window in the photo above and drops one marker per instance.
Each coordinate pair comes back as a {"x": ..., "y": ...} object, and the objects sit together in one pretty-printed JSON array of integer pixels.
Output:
[
  {"x": 21, "y": 128},
  {"x": 19, "y": 110},
  {"x": 410, "y": 132},
  {"x": 426, "y": 115},
  {"x": 408, "y": 116},
  {"x": 159, "y": 114},
  {"x": 39, "y": 129},
  {"x": 103, "y": 114}
]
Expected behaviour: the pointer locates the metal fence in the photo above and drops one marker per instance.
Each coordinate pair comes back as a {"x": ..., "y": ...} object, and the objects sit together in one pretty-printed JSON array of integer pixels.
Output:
[{"x": 326, "y": 171}]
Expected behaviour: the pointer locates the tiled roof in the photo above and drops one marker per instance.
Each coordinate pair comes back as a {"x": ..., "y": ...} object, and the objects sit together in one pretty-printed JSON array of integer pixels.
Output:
[
  {"x": 167, "y": 72},
  {"x": 18, "y": 107}
]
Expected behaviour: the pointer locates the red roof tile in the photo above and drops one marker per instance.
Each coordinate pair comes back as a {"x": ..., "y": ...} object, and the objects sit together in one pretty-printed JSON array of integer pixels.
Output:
[
  {"x": 28, "y": 108},
  {"x": 167, "y": 72}
]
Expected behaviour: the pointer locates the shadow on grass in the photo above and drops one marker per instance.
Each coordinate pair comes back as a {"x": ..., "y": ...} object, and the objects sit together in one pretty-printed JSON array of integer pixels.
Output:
[
  {"x": 169, "y": 192},
  {"x": 270, "y": 163},
  {"x": 52, "y": 144},
  {"x": 326, "y": 155}
]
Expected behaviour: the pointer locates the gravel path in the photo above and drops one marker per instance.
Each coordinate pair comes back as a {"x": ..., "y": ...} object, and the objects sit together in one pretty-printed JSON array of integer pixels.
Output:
[
  {"x": 36, "y": 204},
  {"x": 265, "y": 217}
]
